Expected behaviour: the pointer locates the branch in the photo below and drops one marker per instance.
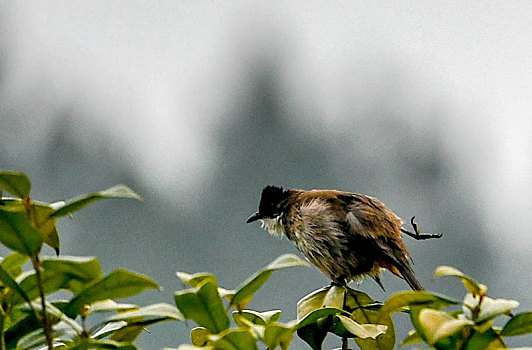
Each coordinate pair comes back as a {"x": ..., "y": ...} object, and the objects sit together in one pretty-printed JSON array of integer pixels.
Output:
[{"x": 47, "y": 327}]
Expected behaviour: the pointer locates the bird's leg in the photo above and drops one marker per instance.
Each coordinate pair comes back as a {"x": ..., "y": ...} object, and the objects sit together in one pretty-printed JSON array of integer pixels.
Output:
[
  {"x": 339, "y": 281},
  {"x": 418, "y": 235},
  {"x": 378, "y": 280}
]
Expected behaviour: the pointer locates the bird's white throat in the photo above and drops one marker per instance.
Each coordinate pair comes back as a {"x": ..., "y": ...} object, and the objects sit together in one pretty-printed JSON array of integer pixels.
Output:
[{"x": 274, "y": 226}]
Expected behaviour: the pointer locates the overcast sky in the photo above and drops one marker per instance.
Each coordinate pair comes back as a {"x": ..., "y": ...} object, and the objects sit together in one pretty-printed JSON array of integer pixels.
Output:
[{"x": 167, "y": 72}]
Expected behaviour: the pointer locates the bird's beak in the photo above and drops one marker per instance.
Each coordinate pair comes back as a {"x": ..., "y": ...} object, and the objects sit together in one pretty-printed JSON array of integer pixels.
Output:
[{"x": 254, "y": 217}]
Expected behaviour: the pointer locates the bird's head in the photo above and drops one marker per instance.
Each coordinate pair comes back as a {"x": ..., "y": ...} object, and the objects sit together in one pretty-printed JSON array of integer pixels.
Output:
[{"x": 271, "y": 204}]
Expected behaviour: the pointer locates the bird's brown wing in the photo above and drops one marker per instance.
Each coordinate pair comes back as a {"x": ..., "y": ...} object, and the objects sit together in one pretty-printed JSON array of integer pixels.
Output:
[
  {"x": 371, "y": 215},
  {"x": 381, "y": 229}
]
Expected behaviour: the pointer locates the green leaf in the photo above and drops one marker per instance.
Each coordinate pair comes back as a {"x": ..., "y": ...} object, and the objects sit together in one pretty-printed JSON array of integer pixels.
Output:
[
  {"x": 46, "y": 225},
  {"x": 8, "y": 281},
  {"x": 54, "y": 313},
  {"x": 412, "y": 338},
  {"x": 234, "y": 339},
  {"x": 107, "y": 330},
  {"x": 438, "y": 325},
  {"x": 19, "y": 323},
  {"x": 65, "y": 272},
  {"x": 362, "y": 330},
  {"x": 401, "y": 301},
  {"x": 255, "y": 317},
  {"x": 17, "y": 184},
  {"x": 118, "y": 284},
  {"x": 37, "y": 340},
  {"x": 414, "y": 311},
  {"x": 314, "y": 333},
  {"x": 80, "y": 271},
  {"x": 362, "y": 307},
  {"x": 111, "y": 305},
  {"x": 204, "y": 306},
  {"x": 12, "y": 205},
  {"x": 17, "y": 233},
  {"x": 40, "y": 219},
  {"x": 472, "y": 286},
  {"x": 160, "y": 311},
  {"x": 119, "y": 191},
  {"x": 88, "y": 343},
  {"x": 315, "y": 312},
  {"x": 384, "y": 341},
  {"x": 286, "y": 261},
  {"x": 195, "y": 279},
  {"x": 518, "y": 325},
  {"x": 30, "y": 286},
  {"x": 488, "y": 340},
  {"x": 356, "y": 300},
  {"x": 199, "y": 336},
  {"x": 13, "y": 264},
  {"x": 128, "y": 333},
  {"x": 190, "y": 347},
  {"x": 327, "y": 297},
  {"x": 245, "y": 292},
  {"x": 277, "y": 335},
  {"x": 489, "y": 308},
  {"x": 317, "y": 315},
  {"x": 228, "y": 294}
]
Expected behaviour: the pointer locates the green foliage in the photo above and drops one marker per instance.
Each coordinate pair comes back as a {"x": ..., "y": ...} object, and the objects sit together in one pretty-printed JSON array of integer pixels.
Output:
[
  {"x": 204, "y": 304},
  {"x": 518, "y": 325},
  {"x": 245, "y": 292},
  {"x": 29, "y": 320},
  {"x": 15, "y": 183},
  {"x": 470, "y": 327},
  {"x": 119, "y": 191},
  {"x": 344, "y": 312},
  {"x": 19, "y": 234},
  {"x": 347, "y": 313}
]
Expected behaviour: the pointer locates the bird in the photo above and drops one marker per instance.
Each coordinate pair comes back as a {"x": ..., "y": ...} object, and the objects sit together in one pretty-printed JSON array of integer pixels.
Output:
[{"x": 347, "y": 236}]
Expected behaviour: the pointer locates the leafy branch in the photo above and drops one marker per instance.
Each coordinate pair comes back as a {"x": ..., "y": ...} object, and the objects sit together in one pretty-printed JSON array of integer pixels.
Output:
[
  {"x": 92, "y": 319},
  {"x": 27, "y": 319}
]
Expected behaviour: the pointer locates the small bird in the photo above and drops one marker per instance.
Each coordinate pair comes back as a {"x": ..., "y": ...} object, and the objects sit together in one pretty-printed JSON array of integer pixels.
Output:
[{"x": 347, "y": 236}]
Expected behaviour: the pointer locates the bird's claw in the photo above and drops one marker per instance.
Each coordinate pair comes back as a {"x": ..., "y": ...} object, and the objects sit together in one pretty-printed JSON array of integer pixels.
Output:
[{"x": 418, "y": 235}]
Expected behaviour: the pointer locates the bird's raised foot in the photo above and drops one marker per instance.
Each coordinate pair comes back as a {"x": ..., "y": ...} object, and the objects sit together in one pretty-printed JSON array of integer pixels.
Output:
[{"x": 418, "y": 235}]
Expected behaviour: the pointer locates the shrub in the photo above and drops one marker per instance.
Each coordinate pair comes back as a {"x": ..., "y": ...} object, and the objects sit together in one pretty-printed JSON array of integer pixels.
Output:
[{"x": 29, "y": 320}]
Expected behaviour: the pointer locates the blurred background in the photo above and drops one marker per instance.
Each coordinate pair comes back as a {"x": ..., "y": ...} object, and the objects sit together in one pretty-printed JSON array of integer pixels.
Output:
[{"x": 198, "y": 105}]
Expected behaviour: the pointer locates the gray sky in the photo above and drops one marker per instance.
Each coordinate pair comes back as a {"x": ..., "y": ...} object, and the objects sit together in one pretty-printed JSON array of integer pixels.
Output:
[{"x": 161, "y": 74}]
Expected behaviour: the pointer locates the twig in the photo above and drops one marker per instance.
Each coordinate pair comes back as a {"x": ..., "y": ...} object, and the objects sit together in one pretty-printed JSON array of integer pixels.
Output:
[
  {"x": 47, "y": 328},
  {"x": 345, "y": 340},
  {"x": 2, "y": 338},
  {"x": 345, "y": 343}
]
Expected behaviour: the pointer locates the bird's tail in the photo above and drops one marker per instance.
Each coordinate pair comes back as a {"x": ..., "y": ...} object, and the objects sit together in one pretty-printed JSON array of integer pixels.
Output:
[
  {"x": 410, "y": 278},
  {"x": 405, "y": 271},
  {"x": 396, "y": 260}
]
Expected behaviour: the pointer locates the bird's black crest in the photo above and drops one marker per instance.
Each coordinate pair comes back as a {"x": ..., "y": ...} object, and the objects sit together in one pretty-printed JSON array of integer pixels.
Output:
[{"x": 271, "y": 195}]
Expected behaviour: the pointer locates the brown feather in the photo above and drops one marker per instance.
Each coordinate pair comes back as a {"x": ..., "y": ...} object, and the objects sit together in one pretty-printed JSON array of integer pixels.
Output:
[{"x": 348, "y": 236}]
